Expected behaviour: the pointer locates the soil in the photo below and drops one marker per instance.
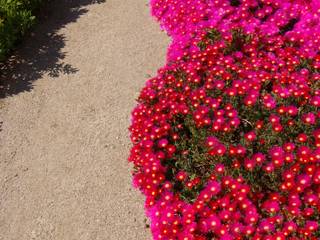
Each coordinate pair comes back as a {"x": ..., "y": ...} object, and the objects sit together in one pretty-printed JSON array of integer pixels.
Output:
[{"x": 70, "y": 88}]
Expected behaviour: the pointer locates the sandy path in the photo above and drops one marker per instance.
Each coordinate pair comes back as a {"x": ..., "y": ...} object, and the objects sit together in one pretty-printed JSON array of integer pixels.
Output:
[{"x": 64, "y": 144}]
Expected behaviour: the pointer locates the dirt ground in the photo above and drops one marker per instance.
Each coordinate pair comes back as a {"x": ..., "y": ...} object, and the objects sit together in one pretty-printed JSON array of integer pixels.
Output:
[{"x": 64, "y": 141}]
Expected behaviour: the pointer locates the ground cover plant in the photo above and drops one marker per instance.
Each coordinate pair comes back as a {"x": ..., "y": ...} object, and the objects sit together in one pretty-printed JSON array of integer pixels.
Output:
[
  {"x": 16, "y": 17},
  {"x": 226, "y": 138}
]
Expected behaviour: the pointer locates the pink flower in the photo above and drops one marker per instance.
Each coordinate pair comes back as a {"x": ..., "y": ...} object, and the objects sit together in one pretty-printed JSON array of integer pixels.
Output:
[{"x": 309, "y": 118}]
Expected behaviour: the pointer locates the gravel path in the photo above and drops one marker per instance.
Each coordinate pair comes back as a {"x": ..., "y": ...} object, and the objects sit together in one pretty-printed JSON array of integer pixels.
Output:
[{"x": 64, "y": 140}]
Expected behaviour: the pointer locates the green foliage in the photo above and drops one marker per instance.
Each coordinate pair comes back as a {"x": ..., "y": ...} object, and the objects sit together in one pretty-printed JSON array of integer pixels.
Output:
[
  {"x": 239, "y": 39},
  {"x": 16, "y": 17}
]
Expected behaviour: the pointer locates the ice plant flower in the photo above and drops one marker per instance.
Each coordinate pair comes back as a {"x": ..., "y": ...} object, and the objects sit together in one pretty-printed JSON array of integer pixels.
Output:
[{"x": 226, "y": 138}]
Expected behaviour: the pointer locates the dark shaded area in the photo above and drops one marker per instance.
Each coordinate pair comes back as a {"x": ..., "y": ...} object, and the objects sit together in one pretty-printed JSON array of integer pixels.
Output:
[
  {"x": 41, "y": 52},
  {"x": 289, "y": 26},
  {"x": 235, "y": 3}
]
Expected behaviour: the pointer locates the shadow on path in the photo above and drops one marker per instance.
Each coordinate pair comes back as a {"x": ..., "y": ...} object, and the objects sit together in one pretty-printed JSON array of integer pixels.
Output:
[{"x": 41, "y": 52}]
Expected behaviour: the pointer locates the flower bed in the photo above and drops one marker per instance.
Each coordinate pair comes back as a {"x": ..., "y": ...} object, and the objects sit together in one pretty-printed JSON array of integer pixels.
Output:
[{"x": 226, "y": 138}]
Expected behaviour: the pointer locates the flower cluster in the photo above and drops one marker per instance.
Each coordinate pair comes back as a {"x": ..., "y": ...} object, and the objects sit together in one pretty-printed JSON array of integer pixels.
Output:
[{"x": 226, "y": 138}]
